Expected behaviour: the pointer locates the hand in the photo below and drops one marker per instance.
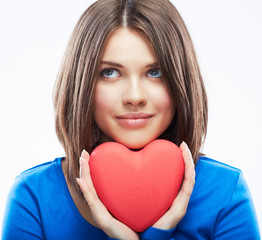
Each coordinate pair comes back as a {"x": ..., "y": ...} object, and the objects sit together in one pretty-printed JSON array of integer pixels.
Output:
[
  {"x": 178, "y": 208},
  {"x": 111, "y": 226}
]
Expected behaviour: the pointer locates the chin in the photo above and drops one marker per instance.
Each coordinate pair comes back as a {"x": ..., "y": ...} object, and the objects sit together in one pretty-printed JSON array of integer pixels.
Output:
[{"x": 135, "y": 145}]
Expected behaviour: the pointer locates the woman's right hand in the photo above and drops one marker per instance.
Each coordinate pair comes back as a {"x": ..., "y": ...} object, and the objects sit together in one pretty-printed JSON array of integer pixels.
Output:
[{"x": 105, "y": 221}]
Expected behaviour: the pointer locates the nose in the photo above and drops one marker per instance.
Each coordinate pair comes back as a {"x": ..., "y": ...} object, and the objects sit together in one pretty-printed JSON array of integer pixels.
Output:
[{"x": 134, "y": 94}]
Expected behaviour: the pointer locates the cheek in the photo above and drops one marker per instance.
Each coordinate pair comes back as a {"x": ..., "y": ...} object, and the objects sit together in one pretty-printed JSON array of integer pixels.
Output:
[
  {"x": 162, "y": 99},
  {"x": 103, "y": 99},
  {"x": 166, "y": 102},
  {"x": 99, "y": 101}
]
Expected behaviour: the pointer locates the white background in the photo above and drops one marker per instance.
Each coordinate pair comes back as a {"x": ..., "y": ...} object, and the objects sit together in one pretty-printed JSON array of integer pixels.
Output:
[{"x": 228, "y": 39}]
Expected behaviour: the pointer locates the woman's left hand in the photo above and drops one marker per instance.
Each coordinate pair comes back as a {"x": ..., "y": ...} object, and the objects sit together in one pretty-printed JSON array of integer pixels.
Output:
[{"x": 178, "y": 209}]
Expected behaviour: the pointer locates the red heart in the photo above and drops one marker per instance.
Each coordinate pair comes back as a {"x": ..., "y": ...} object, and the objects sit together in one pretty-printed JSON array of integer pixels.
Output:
[{"x": 137, "y": 187}]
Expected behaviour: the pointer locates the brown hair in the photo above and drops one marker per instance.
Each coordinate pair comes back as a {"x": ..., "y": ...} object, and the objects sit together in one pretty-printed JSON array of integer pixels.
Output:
[{"x": 74, "y": 91}]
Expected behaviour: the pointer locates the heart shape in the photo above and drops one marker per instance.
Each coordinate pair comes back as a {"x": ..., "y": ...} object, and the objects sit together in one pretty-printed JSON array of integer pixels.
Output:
[{"x": 137, "y": 187}]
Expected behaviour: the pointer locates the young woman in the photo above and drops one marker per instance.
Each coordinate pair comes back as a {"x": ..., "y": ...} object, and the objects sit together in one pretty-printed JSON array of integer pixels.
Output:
[{"x": 129, "y": 75}]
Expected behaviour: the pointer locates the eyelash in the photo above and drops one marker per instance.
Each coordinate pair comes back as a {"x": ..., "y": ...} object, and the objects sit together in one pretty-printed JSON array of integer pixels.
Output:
[
  {"x": 113, "y": 69},
  {"x": 107, "y": 69},
  {"x": 155, "y": 69}
]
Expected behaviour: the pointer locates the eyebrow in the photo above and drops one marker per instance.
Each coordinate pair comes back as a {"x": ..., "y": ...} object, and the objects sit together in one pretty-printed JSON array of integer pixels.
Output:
[{"x": 156, "y": 64}]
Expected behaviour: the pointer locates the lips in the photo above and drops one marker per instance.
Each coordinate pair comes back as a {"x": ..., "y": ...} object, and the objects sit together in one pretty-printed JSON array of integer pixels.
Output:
[{"x": 139, "y": 119}]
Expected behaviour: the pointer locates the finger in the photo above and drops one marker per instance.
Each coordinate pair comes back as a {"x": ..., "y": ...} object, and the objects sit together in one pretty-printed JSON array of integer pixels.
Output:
[
  {"x": 92, "y": 200},
  {"x": 188, "y": 160},
  {"x": 111, "y": 226},
  {"x": 189, "y": 177},
  {"x": 83, "y": 161},
  {"x": 88, "y": 194},
  {"x": 98, "y": 210},
  {"x": 186, "y": 152},
  {"x": 85, "y": 154},
  {"x": 85, "y": 171}
]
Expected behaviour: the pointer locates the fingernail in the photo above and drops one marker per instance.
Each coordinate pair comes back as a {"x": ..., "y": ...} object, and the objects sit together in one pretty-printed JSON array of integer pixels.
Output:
[
  {"x": 185, "y": 144},
  {"x": 78, "y": 180},
  {"x": 83, "y": 152}
]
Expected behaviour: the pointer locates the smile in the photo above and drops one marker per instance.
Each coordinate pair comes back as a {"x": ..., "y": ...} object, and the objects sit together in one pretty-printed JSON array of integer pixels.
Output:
[{"x": 134, "y": 119}]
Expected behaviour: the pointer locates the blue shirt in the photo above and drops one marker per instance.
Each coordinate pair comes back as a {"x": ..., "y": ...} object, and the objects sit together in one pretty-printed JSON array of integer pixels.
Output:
[{"x": 40, "y": 206}]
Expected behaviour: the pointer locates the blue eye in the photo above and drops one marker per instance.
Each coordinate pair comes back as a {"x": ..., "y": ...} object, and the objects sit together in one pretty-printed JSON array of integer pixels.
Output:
[
  {"x": 109, "y": 73},
  {"x": 154, "y": 73}
]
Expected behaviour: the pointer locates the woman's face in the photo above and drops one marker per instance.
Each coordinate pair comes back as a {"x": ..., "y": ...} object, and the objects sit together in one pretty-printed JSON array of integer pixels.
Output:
[{"x": 132, "y": 105}]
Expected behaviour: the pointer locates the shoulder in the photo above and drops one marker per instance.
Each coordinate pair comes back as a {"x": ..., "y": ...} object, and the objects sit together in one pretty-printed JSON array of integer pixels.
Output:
[
  {"x": 38, "y": 169},
  {"x": 216, "y": 178},
  {"x": 30, "y": 186},
  {"x": 215, "y": 169},
  {"x": 216, "y": 165},
  {"x": 40, "y": 172},
  {"x": 37, "y": 179},
  {"x": 220, "y": 182},
  {"x": 33, "y": 188},
  {"x": 225, "y": 194},
  {"x": 221, "y": 197}
]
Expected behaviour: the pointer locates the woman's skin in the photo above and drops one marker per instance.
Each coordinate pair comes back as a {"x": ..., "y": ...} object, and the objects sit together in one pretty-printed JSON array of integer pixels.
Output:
[
  {"x": 132, "y": 104},
  {"x": 132, "y": 107}
]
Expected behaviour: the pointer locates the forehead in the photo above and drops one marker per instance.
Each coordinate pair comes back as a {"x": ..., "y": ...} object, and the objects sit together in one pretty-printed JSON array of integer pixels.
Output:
[{"x": 126, "y": 43}]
